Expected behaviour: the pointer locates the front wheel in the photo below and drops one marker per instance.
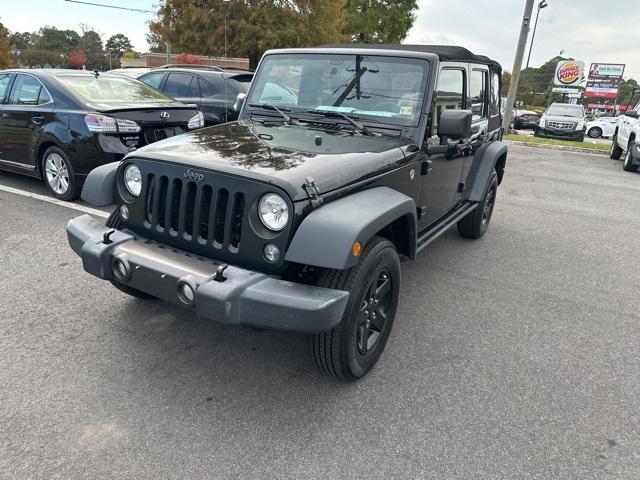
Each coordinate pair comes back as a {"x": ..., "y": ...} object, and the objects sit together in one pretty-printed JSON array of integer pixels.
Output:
[
  {"x": 475, "y": 224},
  {"x": 353, "y": 347},
  {"x": 628, "y": 165},
  {"x": 616, "y": 151}
]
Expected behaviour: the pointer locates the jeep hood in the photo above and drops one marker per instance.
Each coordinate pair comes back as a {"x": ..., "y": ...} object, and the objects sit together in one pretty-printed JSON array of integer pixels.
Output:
[{"x": 282, "y": 154}]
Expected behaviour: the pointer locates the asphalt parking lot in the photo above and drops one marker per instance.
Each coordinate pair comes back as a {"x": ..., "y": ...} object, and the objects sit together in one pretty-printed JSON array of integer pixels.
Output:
[{"x": 516, "y": 356}]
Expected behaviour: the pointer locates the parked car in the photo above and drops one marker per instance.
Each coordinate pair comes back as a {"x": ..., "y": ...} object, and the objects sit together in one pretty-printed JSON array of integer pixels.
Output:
[
  {"x": 523, "y": 119},
  {"x": 626, "y": 138},
  {"x": 562, "y": 120},
  {"x": 344, "y": 160},
  {"x": 601, "y": 127},
  {"x": 61, "y": 124},
  {"x": 213, "y": 89},
  {"x": 132, "y": 72}
]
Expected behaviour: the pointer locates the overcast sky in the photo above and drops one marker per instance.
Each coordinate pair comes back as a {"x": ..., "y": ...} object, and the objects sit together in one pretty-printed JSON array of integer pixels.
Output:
[{"x": 604, "y": 31}]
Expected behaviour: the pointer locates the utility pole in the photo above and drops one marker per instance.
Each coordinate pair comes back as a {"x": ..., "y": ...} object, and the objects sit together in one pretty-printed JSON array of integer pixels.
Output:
[{"x": 517, "y": 64}]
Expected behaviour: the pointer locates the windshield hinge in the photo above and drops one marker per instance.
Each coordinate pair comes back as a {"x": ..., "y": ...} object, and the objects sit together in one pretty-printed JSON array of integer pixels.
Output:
[{"x": 312, "y": 191}]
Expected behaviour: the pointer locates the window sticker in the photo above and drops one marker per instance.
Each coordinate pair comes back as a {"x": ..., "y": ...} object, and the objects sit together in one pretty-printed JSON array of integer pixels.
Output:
[{"x": 406, "y": 110}]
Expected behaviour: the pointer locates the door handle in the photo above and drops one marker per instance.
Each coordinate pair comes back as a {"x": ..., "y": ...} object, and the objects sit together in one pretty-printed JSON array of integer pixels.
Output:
[
  {"x": 5, "y": 115},
  {"x": 37, "y": 120}
]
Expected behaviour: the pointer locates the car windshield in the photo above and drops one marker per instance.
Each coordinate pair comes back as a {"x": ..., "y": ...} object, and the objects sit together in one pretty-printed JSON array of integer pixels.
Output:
[
  {"x": 566, "y": 111},
  {"x": 113, "y": 89},
  {"x": 385, "y": 89}
]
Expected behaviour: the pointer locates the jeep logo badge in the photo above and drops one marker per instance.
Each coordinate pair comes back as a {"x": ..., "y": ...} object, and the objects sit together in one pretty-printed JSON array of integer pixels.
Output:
[
  {"x": 165, "y": 115},
  {"x": 191, "y": 175}
]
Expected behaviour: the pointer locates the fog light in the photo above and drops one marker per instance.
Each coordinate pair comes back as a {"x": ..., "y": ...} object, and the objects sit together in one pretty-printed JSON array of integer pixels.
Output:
[
  {"x": 124, "y": 212},
  {"x": 271, "y": 253},
  {"x": 186, "y": 293},
  {"x": 121, "y": 269}
]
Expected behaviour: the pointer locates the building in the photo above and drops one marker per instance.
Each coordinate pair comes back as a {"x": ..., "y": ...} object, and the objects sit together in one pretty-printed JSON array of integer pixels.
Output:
[{"x": 159, "y": 59}]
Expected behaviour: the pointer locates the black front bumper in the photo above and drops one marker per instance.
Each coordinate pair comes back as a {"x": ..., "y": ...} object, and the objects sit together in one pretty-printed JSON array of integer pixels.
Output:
[
  {"x": 244, "y": 297},
  {"x": 559, "y": 134}
]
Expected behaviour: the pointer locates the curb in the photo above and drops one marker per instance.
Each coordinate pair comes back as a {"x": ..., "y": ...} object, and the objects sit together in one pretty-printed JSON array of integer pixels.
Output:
[{"x": 557, "y": 147}]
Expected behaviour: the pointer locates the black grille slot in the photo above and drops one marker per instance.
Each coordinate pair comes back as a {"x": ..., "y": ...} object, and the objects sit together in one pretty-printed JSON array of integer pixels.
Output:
[
  {"x": 237, "y": 213},
  {"x": 222, "y": 198},
  {"x": 189, "y": 208},
  {"x": 173, "y": 204},
  {"x": 205, "y": 211},
  {"x": 148, "y": 216},
  {"x": 159, "y": 202}
]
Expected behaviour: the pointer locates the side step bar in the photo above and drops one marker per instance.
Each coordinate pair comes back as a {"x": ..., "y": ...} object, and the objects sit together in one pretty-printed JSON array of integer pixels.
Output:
[{"x": 446, "y": 223}]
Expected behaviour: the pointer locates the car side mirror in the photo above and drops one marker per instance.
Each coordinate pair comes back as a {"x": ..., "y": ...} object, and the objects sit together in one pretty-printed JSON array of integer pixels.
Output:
[
  {"x": 455, "y": 124},
  {"x": 239, "y": 101},
  {"x": 631, "y": 113}
]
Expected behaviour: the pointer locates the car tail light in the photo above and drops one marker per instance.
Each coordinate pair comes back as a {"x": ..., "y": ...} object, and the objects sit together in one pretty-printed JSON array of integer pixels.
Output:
[
  {"x": 196, "y": 121},
  {"x": 105, "y": 124}
]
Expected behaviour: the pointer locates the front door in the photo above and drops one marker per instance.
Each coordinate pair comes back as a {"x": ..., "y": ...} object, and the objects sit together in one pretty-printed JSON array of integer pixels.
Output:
[
  {"x": 28, "y": 109},
  {"x": 442, "y": 172}
]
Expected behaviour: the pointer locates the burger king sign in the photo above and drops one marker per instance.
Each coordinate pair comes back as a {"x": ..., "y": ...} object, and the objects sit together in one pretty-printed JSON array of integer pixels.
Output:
[{"x": 569, "y": 73}]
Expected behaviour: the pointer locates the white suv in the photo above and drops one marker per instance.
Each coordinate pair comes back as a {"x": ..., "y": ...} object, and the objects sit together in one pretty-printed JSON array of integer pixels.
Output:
[{"x": 626, "y": 139}]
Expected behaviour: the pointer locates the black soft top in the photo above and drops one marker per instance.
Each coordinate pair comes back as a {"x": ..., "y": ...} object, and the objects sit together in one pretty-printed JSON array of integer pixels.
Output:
[{"x": 444, "y": 52}]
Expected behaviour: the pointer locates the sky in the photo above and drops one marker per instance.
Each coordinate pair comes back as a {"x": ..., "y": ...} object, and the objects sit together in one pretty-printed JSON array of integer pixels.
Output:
[{"x": 588, "y": 30}]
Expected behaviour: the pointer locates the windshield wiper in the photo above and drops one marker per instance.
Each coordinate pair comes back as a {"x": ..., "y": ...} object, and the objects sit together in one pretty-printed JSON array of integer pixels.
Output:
[
  {"x": 358, "y": 126},
  {"x": 268, "y": 106}
]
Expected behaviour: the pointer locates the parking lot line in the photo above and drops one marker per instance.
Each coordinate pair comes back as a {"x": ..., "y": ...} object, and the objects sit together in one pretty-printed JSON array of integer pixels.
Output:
[{"x": 55, "y": 201}]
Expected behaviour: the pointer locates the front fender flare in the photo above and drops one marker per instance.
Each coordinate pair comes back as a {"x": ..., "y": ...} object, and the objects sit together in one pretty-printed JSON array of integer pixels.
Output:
[
  {"x": 326, "y": 236},
  {"x": 99, "y": 186},
  {"x": 487, "y": 158}
]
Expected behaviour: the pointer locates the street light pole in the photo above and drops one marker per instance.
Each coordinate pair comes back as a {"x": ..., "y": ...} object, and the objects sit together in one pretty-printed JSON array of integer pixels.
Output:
[
  {"x": 517, "y": 64},
  {"x": 541, "y": 5}
]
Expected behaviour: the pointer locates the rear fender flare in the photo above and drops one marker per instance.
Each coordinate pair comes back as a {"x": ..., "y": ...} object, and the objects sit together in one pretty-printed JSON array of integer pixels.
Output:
[
  {"x": 325, "y": 238},
  {"x": 100, "y": 185},
  {"x": 488, "y": 158}
]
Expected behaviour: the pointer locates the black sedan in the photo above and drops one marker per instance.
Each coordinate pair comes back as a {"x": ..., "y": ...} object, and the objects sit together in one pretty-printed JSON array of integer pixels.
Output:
[
  {"x": 524, "y": 119},
  {"x": 61, "y": 124},
  {"x": 213, "y": 89}
]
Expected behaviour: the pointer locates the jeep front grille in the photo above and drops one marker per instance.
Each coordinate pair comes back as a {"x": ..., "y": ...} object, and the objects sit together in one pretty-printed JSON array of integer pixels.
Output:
[{"x": 194, "y": 212}]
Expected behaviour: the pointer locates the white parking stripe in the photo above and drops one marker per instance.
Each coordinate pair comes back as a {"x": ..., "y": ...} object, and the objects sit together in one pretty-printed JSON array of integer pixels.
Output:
[{"x": 55, "y": 201}]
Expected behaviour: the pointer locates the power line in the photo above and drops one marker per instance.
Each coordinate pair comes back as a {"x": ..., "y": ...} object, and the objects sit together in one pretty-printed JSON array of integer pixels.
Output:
[{"x": 111, "y": 6}]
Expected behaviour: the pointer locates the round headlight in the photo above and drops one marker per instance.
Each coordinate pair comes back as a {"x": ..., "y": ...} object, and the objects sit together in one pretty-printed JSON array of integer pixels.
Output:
[
  {"x": 133, "y": 180},
  {"x": 273, "y": 211}
]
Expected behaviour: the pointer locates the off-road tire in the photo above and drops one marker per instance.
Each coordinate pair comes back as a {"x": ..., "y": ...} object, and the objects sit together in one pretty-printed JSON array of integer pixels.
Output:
[
  {"x": 339, "y": 352},
  {"x": 114, "y": 221},
  {"x": 475, "y": 224},
  {"x": 74, "y": 188},
  {"x": 616, "y": 150},
  {"x": 628, "y": 165}
]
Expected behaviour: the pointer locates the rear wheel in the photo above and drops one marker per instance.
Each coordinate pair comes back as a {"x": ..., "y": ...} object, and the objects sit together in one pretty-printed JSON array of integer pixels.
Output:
[
  {"x": 616, "y": 151},
  {"x": 628, "y": 165},
  {"x": 57, "y": 173},
  {"x": 475, "y": 224},
  {"x": 114, "y": 221},
  {"x": 595, "y": 132},
  {"x": 353, "y": 347}
]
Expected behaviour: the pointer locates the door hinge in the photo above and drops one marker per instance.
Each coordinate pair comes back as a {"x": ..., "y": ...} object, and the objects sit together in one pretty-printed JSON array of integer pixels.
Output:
[
  {"x": 312, "y": 191},
  {"x": 460, "y": 187}
]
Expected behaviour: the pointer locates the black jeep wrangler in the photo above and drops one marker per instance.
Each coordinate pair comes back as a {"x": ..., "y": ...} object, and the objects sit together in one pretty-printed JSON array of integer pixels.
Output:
[{"x": 344, "y": 160}]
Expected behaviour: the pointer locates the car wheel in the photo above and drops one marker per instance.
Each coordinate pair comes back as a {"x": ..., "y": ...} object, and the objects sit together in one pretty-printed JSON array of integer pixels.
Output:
[
  {"x": 353, "y": 347},
  {"x": 114, "y": 221},
  {"x": 628, "y": 165},
  {"x": 475, "y": 224},
  {"x": 57, "y": 173},
  {"x": 616, "y": 151},
  {"x": 595, "y": 132}
]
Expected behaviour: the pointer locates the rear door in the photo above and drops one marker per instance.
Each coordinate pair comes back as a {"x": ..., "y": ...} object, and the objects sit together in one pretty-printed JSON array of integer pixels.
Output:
[
  {"x": 5, "y": 84},
  {"x": 28, "y": 109},
  {"x": 184, "y": 87},
  {"x": 216, "y": 101}
]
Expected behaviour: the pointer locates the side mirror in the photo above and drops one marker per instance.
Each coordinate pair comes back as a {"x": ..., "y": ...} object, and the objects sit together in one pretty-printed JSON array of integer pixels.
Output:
[
  {"x": 239, "y": 101},
  {"x": 455, "y": 124},
  {"x": 631, "y": 113}
]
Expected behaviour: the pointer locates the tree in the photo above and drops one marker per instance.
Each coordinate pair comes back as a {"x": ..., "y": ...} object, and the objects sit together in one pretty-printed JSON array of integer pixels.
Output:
[
  {"x": 626, "y": 90},
  {"x": 59, "y": 41},
  {"x": 379, "y": 21},
  {"x": 187, "y": 58},
  {"x": 118, "y": 44},
  {"x": 247, "y": 27},
  {"x": 505, "y": 83},
  {"x": 77, "y": 59},
  {"x": 5, "y": 48},
  {"x": 35, "y": 58},
  {"x": 91, "y": 46},
  {"x": 22, "y": 41},
  {"x": 155, "y": 41}
]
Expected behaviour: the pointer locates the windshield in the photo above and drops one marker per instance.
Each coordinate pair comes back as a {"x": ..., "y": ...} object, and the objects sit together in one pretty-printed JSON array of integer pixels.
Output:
[
  {"x": 566, "y": 111},
  {"x": 113, "y": 89},
  {"x": 387, "y": 89}
]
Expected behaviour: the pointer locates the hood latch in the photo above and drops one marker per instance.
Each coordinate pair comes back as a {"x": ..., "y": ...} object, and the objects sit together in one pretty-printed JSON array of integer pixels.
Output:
[{"x": 312, "y": 191}]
